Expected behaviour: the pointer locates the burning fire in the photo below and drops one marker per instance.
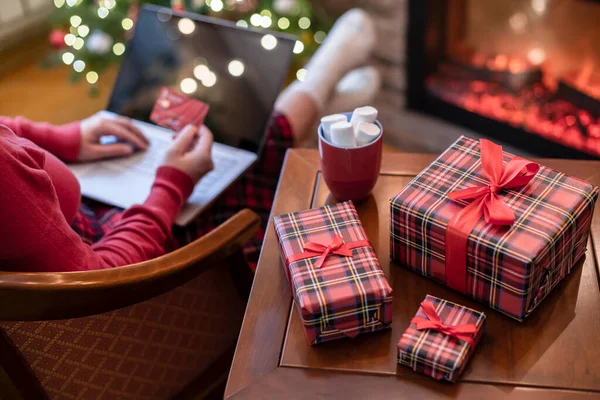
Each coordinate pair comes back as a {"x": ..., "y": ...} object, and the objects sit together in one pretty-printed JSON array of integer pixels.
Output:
[
  {"x": 533, "y": 105},
  {"x": 586, "y": 81}
]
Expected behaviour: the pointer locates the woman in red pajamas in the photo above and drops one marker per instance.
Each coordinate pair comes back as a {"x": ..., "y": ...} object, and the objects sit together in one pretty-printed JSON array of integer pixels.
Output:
[{"x": 45, "y": 227}]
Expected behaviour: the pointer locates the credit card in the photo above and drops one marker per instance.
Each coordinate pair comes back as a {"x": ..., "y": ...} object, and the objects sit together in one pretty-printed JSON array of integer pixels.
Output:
[{"x": 174, "y": 110}]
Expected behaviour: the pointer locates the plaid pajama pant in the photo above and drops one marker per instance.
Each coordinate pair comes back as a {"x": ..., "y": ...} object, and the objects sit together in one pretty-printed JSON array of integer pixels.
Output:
[{"x": 254, "y": 190}]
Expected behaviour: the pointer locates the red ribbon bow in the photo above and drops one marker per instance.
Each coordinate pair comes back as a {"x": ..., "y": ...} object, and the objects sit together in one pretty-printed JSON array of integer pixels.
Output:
[
  {"x": 487, "y": 203},
  {"x": 463, "y": 332},
  {"x": 336, "y": 246}
]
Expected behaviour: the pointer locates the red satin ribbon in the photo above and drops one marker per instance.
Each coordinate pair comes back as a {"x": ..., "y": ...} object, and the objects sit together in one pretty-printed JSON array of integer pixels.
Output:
[
  {"x": 487, "y": 203},
  {"x": 336, "y": 246},
  {"x": 463, "y": 332}
]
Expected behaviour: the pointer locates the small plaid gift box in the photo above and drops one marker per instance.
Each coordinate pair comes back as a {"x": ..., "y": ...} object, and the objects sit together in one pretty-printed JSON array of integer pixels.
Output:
[
  {"x": 335, "y": 277},
  {"x": 496, "y": 227},
  {"x": 440, "y": 339}
]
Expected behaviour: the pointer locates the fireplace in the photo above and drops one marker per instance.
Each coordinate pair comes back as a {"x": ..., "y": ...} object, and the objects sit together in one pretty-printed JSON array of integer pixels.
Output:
[{"x": 525, "y": 72}]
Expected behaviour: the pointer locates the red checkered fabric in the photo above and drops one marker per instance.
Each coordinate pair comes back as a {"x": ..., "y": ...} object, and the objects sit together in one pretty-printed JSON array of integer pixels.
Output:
[
  {"x": 347, "y": 295},
  {"x": 509, "y": 268},
  {"x": 437, "y": 354},
  {"x": 254, "y": 190}
]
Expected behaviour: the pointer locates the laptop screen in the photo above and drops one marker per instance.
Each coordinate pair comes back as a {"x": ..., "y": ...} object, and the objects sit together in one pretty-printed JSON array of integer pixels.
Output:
[{"x": 238, "y": 72}]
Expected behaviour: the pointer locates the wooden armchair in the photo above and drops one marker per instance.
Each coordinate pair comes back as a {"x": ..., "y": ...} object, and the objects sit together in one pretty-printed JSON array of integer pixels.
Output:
[{"x": 143, "y": 331}]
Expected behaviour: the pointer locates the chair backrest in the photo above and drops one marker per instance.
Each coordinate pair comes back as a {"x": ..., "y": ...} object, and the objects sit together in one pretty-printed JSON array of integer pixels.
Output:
[
  {"x": 46, "y": 296},
  {"x": 149, "y": 350},
  {"x": 140, "y": 331}
]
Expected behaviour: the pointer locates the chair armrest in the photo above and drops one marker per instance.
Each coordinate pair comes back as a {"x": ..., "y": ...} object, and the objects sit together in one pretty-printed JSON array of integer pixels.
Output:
[
  {"x": 44, "y": 296},
  {"x": 219, "y": 244}
]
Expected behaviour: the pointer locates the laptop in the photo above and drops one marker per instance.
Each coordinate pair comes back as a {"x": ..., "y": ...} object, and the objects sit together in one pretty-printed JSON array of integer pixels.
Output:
[{"x": 165, "y": 50}]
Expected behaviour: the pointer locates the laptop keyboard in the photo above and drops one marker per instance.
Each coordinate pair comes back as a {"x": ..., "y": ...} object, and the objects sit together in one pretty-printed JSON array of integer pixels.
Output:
[
  {"x": 147, "y": 163},
  {"x": 222, "y": 165}
]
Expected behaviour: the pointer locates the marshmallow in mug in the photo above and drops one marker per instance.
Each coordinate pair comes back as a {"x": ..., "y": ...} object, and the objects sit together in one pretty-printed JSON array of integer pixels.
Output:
[
  {"x": 366, "y": 133},
  {"x": 363, "y": 114},
  {"x": 328, "y": 121},
  {"x": 342, "y": 134}
]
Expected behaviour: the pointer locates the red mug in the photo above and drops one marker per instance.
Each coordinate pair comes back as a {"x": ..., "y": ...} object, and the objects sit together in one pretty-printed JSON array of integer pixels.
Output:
[{"x": 351, "y": 173}]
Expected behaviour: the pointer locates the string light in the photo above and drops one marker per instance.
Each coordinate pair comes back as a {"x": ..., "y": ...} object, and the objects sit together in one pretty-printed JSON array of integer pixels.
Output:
[
  {"x": 127, "y": 23},
  {"x": 201, "y": 71},
  {"x": 68, "y": 58},
  {"x": 173, "y": 33},
  {"x": 164, "y": 14},
  {"x": 301, "y": 74},
  {"x": 91, "y": 77},
  {"x": 188, "y": 85},
  {"x": 210, "y": 79},
  {"x": 518, "y": 22},
  {"x": 83, "y": 30},
  {"x": 242, "y": 23},
  {"x": 103, "y": 12},
  {"x": 266, "y": 21},
  {"x": 78, "y": 44},
  {"x": 78, "y": 66},
  {"x": 70, "y": 39},
  {"x": 59, "y": 3},
  {"x": 186, "y": 26},
  {"x": 256, "y": 19},
  {"x": 110, "y": 4},
  {"x": 320, "y": 37},
  {"x": 536, "y": 56},
  {"x": 539, "y": 6},
  {"x": 216, "y": 5},
  {"x": 236, "y": 67},
  {"x": 118, "y": 49},
  {"x": 298, "y": 47},
  {"x": 304, "y": 23},
  {"x": 283, "y": 23},
  {"x": 269, "y": 42},
  {"x": 75, "y": 20}
]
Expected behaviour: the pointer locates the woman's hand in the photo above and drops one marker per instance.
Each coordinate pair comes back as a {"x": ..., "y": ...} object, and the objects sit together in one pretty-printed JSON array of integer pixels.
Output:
[
  {"x": 191, "y": 152},
  {"x": 97, "y": 126}
]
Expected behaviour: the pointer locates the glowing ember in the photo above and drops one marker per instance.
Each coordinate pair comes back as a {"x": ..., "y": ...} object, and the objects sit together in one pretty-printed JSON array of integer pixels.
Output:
[
  {"x": 536, "y": 56},
  {"x": 533, "y": 107}
]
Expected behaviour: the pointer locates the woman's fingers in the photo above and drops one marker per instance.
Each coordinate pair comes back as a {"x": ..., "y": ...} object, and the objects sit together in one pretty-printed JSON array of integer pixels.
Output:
[
  {"x": 126, "y": 122},
  {"x": 112, "y": 127},
  {"x": 111, "y": 150},
  {"x": 205, "y": 142},
  {"x": 184, "y": 140}
]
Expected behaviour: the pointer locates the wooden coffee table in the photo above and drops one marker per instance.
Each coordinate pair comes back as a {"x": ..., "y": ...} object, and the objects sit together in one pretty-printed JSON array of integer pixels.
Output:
[{"x": 554, "y": 354}]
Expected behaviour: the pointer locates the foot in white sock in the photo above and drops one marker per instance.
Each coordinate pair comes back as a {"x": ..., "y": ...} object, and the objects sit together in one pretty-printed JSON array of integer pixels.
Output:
[
  {"x": 348, "y": 45},
  {"x": 358, "y": 88}
]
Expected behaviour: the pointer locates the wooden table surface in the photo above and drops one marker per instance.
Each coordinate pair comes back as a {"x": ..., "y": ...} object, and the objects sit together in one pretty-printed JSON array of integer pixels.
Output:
[{"x": 553, "y": 354}]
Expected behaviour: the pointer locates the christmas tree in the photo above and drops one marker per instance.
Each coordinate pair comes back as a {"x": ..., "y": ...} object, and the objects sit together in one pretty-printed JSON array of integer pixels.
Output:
[{"x": 91, "y": 35}]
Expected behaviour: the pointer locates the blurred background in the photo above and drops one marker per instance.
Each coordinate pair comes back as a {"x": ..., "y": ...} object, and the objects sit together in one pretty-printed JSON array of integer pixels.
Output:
[{"x": 522, "y": 72}]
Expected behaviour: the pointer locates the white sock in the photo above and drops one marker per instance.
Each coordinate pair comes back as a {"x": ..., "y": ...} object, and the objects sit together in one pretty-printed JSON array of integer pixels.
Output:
[
  {"x": 348, "y": 45},
  {"x": 358, "y": 88}
]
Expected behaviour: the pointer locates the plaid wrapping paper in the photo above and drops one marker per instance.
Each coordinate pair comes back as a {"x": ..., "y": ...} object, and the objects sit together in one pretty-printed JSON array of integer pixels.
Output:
[
  {"x": 437, "y": 354},
  {"x": 347, "y": 295},
  {"x": 509, "y": 268}
]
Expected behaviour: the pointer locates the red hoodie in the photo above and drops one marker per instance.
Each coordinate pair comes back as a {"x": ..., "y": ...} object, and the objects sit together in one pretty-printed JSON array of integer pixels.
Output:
[{"x": 39, "y": 197}]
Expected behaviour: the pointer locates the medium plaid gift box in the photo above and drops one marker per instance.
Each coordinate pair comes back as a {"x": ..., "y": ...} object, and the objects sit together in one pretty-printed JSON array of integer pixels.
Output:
[
  {"x": 496, "y": 227},
  {"x": 440, "y": 339},
  {"x": 335, "y": 277}
]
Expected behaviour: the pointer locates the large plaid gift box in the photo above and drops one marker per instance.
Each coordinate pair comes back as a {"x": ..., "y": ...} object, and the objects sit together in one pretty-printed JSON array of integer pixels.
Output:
[
  {"x": 338, "y": 285},
  {"x": 493, "y": 226},
  {"x": 440, "y": 339}
]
